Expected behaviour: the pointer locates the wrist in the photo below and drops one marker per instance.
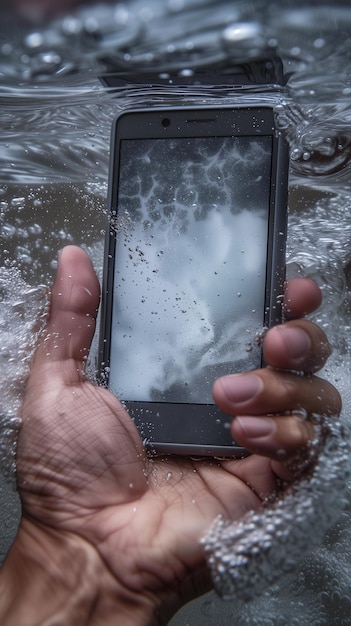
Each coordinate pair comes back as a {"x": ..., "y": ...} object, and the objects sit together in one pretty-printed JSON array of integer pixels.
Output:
[{"x": 51, "y": 578}]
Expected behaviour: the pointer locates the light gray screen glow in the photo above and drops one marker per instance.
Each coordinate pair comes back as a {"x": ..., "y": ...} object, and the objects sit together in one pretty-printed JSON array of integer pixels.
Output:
[{"x": 190, "y": 264}]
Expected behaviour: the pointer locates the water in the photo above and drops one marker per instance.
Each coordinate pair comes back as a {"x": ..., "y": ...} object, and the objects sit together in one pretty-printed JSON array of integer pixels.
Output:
[{"x": 55, "y": 124}]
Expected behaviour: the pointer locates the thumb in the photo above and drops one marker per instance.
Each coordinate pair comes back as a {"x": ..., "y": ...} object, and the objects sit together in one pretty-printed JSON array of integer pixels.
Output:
[{"x": 74, "y": 303}]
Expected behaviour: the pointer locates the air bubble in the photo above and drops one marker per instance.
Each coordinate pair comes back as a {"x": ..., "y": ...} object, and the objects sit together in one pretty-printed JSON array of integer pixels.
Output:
[
  {"x": 34, "y": 40},
  {"x": 17, "y": 202}
]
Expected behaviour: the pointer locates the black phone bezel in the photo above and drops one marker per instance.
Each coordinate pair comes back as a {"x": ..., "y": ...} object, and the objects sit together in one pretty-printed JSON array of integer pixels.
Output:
[{"x": 205, "y": 421}]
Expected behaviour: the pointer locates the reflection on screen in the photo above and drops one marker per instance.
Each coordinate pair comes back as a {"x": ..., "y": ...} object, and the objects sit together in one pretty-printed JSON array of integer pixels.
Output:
[{"x": 190, "y": 264}]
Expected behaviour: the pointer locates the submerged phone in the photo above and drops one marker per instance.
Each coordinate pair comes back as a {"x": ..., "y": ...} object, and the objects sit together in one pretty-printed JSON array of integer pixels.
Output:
[{"x": 194, "y": 264}]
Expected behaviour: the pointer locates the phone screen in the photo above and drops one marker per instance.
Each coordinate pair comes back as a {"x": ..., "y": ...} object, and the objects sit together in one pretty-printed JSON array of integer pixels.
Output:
[{"x": 190, "y": 262}]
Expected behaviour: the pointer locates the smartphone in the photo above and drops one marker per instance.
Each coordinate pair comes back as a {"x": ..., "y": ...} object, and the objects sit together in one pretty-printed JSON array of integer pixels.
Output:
[{"x": 194, "y": 265}]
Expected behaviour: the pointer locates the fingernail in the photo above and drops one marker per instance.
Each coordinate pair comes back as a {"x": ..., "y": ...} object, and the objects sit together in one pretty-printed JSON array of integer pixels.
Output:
[
  {"x": 297, "y": 342},
  {"x": 239, "y": 389},
  {"x": 255, "y": 427}
]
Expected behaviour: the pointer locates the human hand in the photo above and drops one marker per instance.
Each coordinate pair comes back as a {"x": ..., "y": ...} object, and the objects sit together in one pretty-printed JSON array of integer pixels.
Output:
[{"x": 107, "y": 534}]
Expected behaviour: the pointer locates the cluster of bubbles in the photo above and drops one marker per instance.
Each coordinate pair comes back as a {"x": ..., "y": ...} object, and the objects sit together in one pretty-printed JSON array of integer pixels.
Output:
[
  {"x": 251, "y": 554},
  {"x": 22, "y": 315}
]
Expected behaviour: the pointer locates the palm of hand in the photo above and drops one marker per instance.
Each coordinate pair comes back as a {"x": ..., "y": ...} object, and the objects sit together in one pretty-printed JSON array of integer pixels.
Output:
[
  {"x": 85, "y": 473},
  {"x": 87, "y": 486}
]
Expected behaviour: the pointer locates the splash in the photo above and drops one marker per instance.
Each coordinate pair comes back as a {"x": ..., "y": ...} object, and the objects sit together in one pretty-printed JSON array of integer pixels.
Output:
[
  {"x": 248, "y": 556},
  {"x": 22, "y": 315}
]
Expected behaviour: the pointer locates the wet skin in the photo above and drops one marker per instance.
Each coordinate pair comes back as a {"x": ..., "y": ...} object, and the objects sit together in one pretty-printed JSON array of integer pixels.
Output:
[{"x": 108, "y": 536}]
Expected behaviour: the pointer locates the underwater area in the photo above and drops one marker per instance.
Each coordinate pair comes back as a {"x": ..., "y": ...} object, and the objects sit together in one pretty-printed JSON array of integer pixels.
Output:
[{"x": 55, "y": 125}]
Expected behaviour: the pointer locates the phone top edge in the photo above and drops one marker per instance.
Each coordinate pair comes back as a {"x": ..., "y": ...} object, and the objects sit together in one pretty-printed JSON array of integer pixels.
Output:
[
  {"x": 181, "y": 108},
  {"x": 193, "y": 121}
]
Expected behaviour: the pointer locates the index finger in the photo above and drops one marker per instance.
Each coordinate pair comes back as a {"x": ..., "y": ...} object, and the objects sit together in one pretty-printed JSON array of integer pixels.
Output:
[
  {"x": 299, "y": 345},
  {"x": 302, "y": 296}
]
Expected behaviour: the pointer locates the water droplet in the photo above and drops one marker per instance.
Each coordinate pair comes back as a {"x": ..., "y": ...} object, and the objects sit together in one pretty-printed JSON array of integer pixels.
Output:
[{"x": 34, "y": 40}]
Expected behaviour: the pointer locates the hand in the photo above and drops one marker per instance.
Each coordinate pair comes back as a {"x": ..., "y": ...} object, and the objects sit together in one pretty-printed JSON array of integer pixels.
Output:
[{"x": 108, "y": 536}]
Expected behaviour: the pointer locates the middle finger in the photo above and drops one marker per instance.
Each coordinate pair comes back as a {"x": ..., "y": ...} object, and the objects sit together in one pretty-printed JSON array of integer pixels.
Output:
[{"x": 270, "y": 391}]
